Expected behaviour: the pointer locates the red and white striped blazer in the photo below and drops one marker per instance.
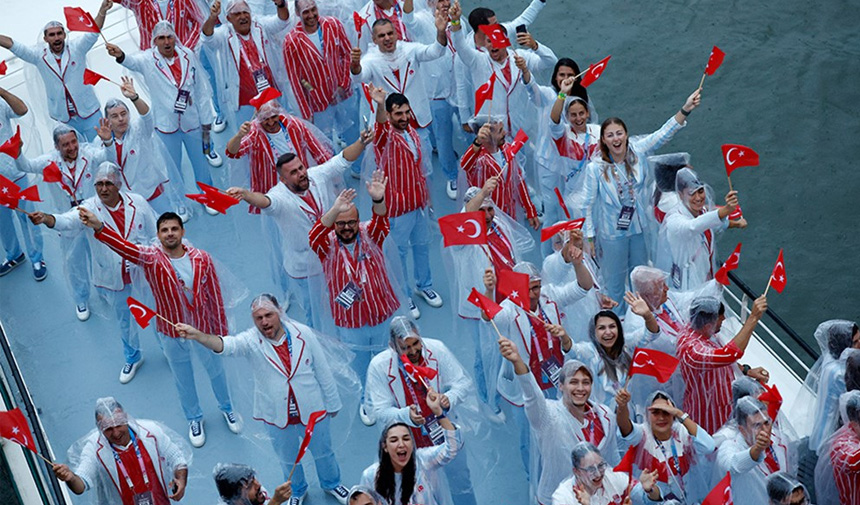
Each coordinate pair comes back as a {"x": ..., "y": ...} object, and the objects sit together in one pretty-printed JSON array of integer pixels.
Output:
[
  {"x": 324, "y": 73},
  {"x": 480, "y": 166},
  {"x": 207, "y": 311},
  {"x": 407, "y": 185},
  {"x": 365, "y": 266},
  {"x": 185, "y": 16}
]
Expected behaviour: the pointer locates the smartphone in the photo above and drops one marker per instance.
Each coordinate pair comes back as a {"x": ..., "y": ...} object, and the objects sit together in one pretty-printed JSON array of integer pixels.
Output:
[{"x": 522, "y": 29}]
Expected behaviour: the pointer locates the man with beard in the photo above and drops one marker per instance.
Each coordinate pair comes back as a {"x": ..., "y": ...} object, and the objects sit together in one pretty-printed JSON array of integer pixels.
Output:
[
  {"x": 238, "y": 485},
  {"x": 359, "y": 290},
  {"x": 133, "y": 219},
  {"x": 61, "y": 67},
  {"x": 295, "y": 204},
  {"x": 287, "y": 359}
]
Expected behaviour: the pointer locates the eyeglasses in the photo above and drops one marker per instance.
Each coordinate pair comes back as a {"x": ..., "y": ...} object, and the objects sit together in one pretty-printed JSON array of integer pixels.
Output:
[
  {"x": 595, "y": 470},
  {"x": 344, "y": 224}
]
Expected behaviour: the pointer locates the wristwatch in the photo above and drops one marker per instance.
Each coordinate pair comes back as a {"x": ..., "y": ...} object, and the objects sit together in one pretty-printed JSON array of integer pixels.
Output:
[{"x": 684, "y": 417}]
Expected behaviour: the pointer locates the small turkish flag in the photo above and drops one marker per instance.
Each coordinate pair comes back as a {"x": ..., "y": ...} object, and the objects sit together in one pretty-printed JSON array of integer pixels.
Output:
[
  {"x": 366, "y": 89},
  {"x": 512, "y": 148},
  {"x": 773, "y": 400},
  {"x": 548, "y": 232},
  {"x": 722, "y": 492},
  {"x": 489, "y": 307},
  {"x": 417, "y": 371},
  {"x": 267, "y": 95},
  {"x": 595, "y": 70},
  {"x": 8, "y": 193},
  {"x": 309, "y": 432},
  {"x": 515, "y": 286},
  {"x": 714, "y": 60},
  {"x": 777, "y": 277},
  {"x": 497, "y": 34},
  {"x": 91, "y": 78},
  {"x": 30, "y": 194},
  {"x": 214, "y": 198},
  {"x": 142, "y": 314},
  {"x": 79, "y": 20},
  {"x": 736, "y": 156},
  {"x": 732, "y": 262},
  {"x": 358, "y": 21},
  {"x": 3, "y": 67},
  {"x": 484, "y": 93},
  {"x": 463, "y": 228},
  {"x": 13, "y": 427},
  {"x": 12, "y": 147},
  {"x": 626, "y": 463},
  {"x": 654, "y": 363},
  {"x": 52, "y": 173}
]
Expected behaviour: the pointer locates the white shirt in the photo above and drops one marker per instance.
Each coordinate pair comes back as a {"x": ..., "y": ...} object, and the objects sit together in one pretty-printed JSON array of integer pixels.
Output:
[{"x": 184, "y": 270}]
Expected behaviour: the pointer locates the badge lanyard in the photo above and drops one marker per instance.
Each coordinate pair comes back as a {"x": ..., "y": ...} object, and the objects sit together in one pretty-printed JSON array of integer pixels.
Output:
[
  {"x": 627, "y": 182},
  {"x": 495, "y": 250},
  {"x": 535, "y": 343},
  {"x": 358, "y": 258},
  {"x": 584, "y": 159},
  {"x": 677, "y": 460},
  {"x": 139, "y": 461}
]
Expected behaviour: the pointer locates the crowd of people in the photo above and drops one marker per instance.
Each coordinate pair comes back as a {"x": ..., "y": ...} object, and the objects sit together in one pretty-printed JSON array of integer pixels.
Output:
[{"x": 311, "y": 95}]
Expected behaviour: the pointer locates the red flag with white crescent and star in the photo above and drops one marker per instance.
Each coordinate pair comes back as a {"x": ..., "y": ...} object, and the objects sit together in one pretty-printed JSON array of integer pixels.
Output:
[
  {"x": 736, "y": 156},
  {"x": 714, "y": 60},
  {"x": 484, "y": 93},
  {"x": 12, "y": 147},
  {"x": 722, "y": 492},
  {"x": 358, "y": 21},
  {"x": 79, "y": 20},
  {"x": 214, "y": 198},
  {"x": 595, "y": 70},
  {"x": 92, "y": 78},
  {"x": 513, "y": 147},
  {"x": 773, "y": 400},
  {"x": 654, "y": 363},
  {"x": 142, "y": 314},
  {"x": 777, "y": 277},
  {"x": 514, "y": 286},
  {"x": 497, "y": 34},
  {"x": 8, "y": 193},
  {"x": 267, "y": 95},
  {"x": 732, "y": 262},
  {"x": 548, "y": 232},
  {"x": 463, "y": 228},
  {"x": 13, "y": 427},
  {"x": 51, "y": 173},
  {"x": 309, "y": 432},
  {"x": 417, "y": 371},
  {"x": 489, "y": 307}
]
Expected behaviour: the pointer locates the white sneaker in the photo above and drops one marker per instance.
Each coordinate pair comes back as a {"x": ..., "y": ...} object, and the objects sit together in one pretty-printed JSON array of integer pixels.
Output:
[
  {"x": 219, "y": 125},
  {"x": 413, "y": 310},
  {"x": 212, "y": 156},
  {"x": 234, "y": 421},
  {"x": 128, "y": 371},
  {"x": 451, "y": 189},
  {"x": 297, "y": 500},
  {"x": 82, "y": 312},
  {"x": 210, "y": 211},
  {"x": 196, "y": 434},
  {"x": 366, "y": 419},
  {"x": 183, "y": 214},
  {"x": 431, "y": 297},
  {"x": 340, "y": 493}
]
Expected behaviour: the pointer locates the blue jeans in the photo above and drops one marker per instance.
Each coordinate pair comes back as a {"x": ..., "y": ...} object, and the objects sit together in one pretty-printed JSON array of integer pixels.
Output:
[
  {"x": 443, "y": 131},
  {"x": 487, "y": 361},
  {"x": 193, "y": 143},
  {"x": 32, "y": 234},
  {"x": 459, "y": 480},
  {"x": 365, "y": 342},
  {"x": 76, "y": 251},
  {"x": 128, "y": 331},
  {"x": 308, "y": 290},
  {"x": 618, "y": 257},
  {"x": 412, "y": 229},
  {"x": 519, "y": 413},
  {"x": 286, "y": 442},
  {"x": 210, "y": 74},
  {"x": 86, "y": 127},
  {"x": 178, "y": 353}
]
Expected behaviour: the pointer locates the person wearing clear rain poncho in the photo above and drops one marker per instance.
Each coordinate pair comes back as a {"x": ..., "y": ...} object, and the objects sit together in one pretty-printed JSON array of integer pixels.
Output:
[
  {"x": 131, "y": 217},
  {"x": 689, "y": 231},
  {"x": 238, "y": 485},
  {"x": 837, "y": 474},
  {"x": 127, "y": 461},
  {"x": 678, "y": 451},
  {"x": 364, "y": 495},
  {"x": 292, "y": 379},
  {"x": 837, "y": 339},
  {"x": 399, "y": 394},
  {"x": 749, "y": 454},
  {"x": 615, "y": 195},
  {"x": 783, "y": 489},
  {"x": 575, "y": 414},
  {"x": 594, "y": 483},
  {"x": 408, "y": 475}
]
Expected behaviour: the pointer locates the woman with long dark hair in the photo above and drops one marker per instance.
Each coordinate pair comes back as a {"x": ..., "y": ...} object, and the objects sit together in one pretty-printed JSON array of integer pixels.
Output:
[
  {"x": 615, "y": 192},
  {"x": 406, "y": 476}
]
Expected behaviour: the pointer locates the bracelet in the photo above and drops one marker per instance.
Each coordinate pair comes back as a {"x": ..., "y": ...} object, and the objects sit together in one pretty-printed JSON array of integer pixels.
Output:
[
  {"x": 136, "y": 98},
  {"x": 562, "y": 95},
  {"x": 745, "y": 369},
  {"x": 476, "y": 143},
  {"x": 685, "y": 112},
  {"x": 455, "y": 22},
  {"x": 378, "y": 201}
]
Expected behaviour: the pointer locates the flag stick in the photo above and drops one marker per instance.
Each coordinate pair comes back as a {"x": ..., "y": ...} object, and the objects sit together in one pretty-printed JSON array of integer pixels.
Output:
[
  {"x": 291, "y": 471},
  {"x": 48, "y": 461},
  {"x": 729, "y": 177},
  {"x": 168, "y": 321},
  {"x": 702, "y": 82},
  {"x": 19, "y": 209},
  {"x": 577, "y": 76},
  {"x": 768, "y": 285},
  {"x": 490, "y": 112},
  {"x": 496, "y": 328},
  {"x": 626, "y": 382},
  {"x": 487, "y": 253}
]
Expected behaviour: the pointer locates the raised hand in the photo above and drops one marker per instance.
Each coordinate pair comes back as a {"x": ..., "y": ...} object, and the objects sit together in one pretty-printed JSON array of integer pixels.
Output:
[
  {"x": 415, "y": 416},
  {"x": 582, "y": 495},
  {"x": 127, "y": 87},
  {"x": 215, "y": 9},
  {"x": 434, "y": 401},
  {"x": 103, "y": 130},
  {"x": 509, "y": 350},
  {"x": 113, "y": 50},
  {"x": 244, "y": 129},
  {"x": 484, "y": 134},
  {"x": 343, "y": 202},
  {"x": 376, "y": 185},
  {"x": 693, "y": 100},
  {"x": 366, "y": 136},
  {"x": 490, "y": 185},
  {"x": 638, "y": 305},
  {"x": 377, "y": 94},
  {"x": 622, "y": 397},
  {"x": 607, "y": 303},
  {"x": 454, "y": 12},
  {"x": 759, "y": 307},
  {"x": 567, "y": 85},
  {"x": 441, "y": 19},
  {"x": 526, "y": 39},
  {"x": 282, "y": 494},
  {"x": 648, "y": 479},
  {"x": 732, "y": 201},
  {"x": 489, "y": 279},
  {"x": 571, "y": 253}
]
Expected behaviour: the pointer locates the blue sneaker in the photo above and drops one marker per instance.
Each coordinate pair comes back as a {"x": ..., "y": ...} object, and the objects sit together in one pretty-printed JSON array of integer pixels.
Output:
[
  {"x": 40, "y": 271},
  {"x": 9, "y": 265}
]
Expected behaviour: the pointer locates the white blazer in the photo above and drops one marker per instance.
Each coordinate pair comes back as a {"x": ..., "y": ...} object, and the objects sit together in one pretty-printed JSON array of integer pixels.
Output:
[
  {"x": 378, "y": 67},
  {"x": 143, "y": 163},
  {"x": 163, "y": 89},
  {"x": 80, "y": 185},
  {"x": 97, "y": 467},
  {"x": 139, "y": 229},
  {"x": 68, "y": 75},
  {"x": 310, "y": 375},
  {"x": 384, "y": 387},
  {"x": 268, "y": 33}
]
